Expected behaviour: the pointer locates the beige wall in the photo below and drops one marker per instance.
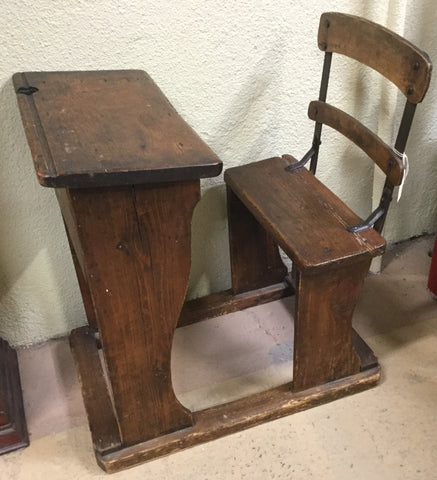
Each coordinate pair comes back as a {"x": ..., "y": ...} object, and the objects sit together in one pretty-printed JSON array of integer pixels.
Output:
[{"x": 241, "y": 73}]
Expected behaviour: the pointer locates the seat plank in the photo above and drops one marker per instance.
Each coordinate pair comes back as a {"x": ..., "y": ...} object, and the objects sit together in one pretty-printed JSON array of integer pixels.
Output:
[{"x": 306, "y": 219}]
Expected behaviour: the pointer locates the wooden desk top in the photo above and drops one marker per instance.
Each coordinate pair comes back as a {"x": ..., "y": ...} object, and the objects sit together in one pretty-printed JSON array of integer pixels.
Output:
[{"x": 105, "y": 128}]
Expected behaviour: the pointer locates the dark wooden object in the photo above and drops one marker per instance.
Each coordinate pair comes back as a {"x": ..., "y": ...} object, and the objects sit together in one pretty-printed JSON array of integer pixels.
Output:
[
  {"x": 127, "y": 168},
  {"x": 383, "y": 155},
  {"x": 13, "y": 428},
  {"x": 379, "y": 48},
  {"x": 129, "y": 234},
  {"x": 210, "y": 423},
  {"x": 107, "y": 128},
  {"x": 309, "y": 223},
  {"x": 432, "y": 277},
  {"x": 280, "y": 203}
]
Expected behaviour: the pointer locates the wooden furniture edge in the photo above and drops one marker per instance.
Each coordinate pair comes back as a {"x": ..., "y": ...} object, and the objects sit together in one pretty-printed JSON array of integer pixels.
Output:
[
  {"x": 47, "y": 170},
  {"x": 95, "y": 393},
  {"x": 210, "y": 423},
  {"x": 216, "y": 422},
  {"x": 225, "y": 302},
  {"x": 14, "y": 434}
]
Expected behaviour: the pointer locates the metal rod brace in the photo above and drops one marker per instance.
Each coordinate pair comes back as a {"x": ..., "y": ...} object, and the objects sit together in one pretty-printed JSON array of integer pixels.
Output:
[
  {"x": 369, "y": 222},
  {"x": 305, "y": 159}
]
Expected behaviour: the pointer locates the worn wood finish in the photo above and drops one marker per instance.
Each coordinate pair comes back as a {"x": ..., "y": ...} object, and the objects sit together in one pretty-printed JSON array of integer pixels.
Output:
[
  {"x": 13, "y": 428},
  {"x": 309, "y": 223},
  {"x": 95, "y": 392},
  {"x": 131, "y": 247},
  {"x": 367, "y": 357},
  {"x": 130, "y": 240},
  {"x": 325, "y": 302},
  {"x": 381, "y": 49},
  {"x": 217, "y": 421},
  {"x": 255, "y": 259},
  {"x": 307, "y": 220},
  {"x": 83, "y": 284},
  {"x": 371, "y": 144},
  {"x": 108, "y": 128},
  {"x": 225, "y": 419},
  {"x": 225, "y": 302}
]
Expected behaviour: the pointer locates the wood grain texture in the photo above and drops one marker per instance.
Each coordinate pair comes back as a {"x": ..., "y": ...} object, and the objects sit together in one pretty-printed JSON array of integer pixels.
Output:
[
  {"x": 13, "y": 428},
  {"x": 83, "y": 283},
  {"x": 306, "y": 219},
  {"x": 254, "y": 255},
  {"x": 367, "y": 358},
  {"x": 391, "y": 55},
  {"x": 232, "y": 417},
  {"x": 213, "y": 422},
  {"x": 131, "y": 247},
  {"x": 108, "y": 128},
  {"x": 371, "y": 144},
  {"x": 95, "y": 392},
  {"x": 225, "y": 302},
  {"x": 323, "y": 349}
]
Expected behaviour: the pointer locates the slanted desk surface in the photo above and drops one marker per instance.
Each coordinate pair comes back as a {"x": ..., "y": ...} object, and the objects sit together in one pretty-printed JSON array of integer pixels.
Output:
[{"x": 107, "y": 128}]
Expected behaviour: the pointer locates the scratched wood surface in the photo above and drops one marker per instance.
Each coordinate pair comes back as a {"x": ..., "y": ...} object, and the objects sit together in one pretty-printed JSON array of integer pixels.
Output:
[
  {"x": 254, "y": 255},
  {"x": 307, "y": 220},
  {"x": 107, "y": 128},
  {"x": 135, "y": 257},
  {"x": 323, "y": 343},
  {"x": 96, "y": 393},
  {"x": 381, "y": 49},
  {"x": 225, "y": 419},
  {"x": 382, "y": 154}
]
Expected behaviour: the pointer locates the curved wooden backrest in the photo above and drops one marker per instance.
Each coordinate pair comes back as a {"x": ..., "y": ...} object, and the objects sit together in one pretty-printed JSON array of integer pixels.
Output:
[
  {"x": 376, "y": 149},
  {"x": 377, "y": 47}
]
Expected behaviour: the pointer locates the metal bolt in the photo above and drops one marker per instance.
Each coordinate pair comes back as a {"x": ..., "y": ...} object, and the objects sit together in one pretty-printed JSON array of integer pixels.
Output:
[{"x": 410, "y": 90}]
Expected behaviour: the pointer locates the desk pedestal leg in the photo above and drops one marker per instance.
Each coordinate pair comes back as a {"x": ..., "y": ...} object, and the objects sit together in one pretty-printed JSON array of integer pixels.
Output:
[{"x": 133, "y": 246}]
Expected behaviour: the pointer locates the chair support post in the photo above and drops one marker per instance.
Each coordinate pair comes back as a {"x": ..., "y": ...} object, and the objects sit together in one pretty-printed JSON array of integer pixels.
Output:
[
  {"x": 400, "y": 144},
  {"x": 322, "y": 97}
]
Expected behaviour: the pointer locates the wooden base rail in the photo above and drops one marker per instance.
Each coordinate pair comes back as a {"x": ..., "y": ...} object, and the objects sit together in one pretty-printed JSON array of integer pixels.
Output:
[{"x": 210, "y": 423}]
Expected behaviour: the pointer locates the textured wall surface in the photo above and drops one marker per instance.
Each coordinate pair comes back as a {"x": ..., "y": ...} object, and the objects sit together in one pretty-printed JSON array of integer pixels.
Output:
[{"x": 241, "y": 73}]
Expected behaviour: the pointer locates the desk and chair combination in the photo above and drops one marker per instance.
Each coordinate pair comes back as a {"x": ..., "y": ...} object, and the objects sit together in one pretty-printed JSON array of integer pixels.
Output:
[{"x": 126, "y": 169}]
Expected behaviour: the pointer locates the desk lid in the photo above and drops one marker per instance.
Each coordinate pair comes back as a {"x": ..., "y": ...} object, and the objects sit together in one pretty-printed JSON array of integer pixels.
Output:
[{"x": 104, "y": 128}]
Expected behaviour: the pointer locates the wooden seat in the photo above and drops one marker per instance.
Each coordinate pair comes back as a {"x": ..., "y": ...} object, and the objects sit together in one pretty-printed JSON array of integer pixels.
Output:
[
  {"x": 278, "y": 202},
  {"x": 283, "y": 206}
]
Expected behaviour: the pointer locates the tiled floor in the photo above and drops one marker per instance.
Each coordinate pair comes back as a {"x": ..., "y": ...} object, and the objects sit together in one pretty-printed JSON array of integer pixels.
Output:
[{"x": 389, "y": 432}]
